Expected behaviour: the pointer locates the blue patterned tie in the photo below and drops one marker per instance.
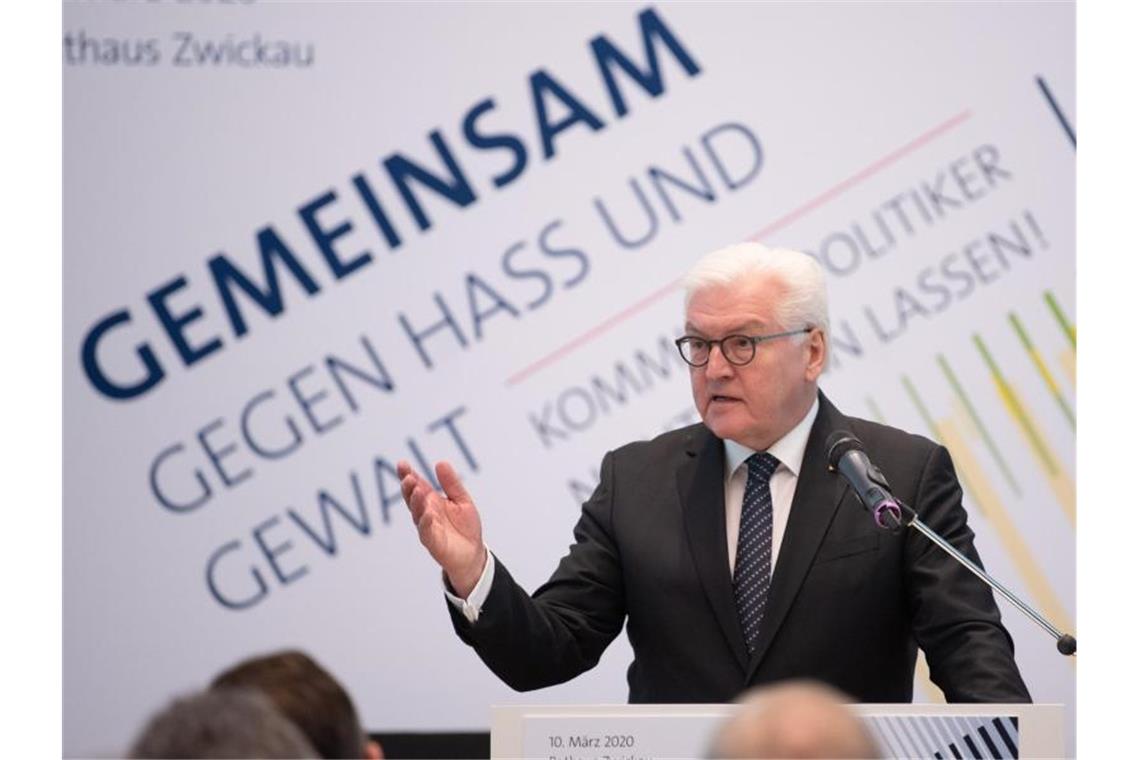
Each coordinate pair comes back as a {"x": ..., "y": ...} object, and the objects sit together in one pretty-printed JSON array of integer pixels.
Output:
[{"x": 753, "y": 573}]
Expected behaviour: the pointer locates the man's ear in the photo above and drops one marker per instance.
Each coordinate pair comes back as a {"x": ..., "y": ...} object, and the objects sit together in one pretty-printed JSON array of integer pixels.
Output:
[
  {"x": 372, "y": 751},
  {"x": 816, "y": 348}
]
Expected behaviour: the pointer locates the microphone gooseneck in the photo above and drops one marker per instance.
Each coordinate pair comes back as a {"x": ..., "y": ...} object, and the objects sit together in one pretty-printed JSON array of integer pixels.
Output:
[{"x": 847, "y": 456}]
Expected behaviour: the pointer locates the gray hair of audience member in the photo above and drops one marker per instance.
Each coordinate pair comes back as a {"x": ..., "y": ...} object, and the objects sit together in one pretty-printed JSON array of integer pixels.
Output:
[
  {"x": 222, "y": 724},
  {"x": 805, "y": 302},
  {"x": 796, "y": 719}
]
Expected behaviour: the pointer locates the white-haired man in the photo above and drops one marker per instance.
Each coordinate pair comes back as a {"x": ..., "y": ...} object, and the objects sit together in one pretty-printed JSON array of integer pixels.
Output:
[{"x": 732, "y": 554}]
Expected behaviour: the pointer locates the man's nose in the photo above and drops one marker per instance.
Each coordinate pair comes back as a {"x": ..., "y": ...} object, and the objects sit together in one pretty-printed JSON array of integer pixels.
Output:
[{"x": 717, "y": 365}]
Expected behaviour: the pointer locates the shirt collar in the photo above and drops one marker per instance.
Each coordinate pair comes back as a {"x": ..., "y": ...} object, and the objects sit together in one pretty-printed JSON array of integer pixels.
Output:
[{"x": 789, "y": 449}]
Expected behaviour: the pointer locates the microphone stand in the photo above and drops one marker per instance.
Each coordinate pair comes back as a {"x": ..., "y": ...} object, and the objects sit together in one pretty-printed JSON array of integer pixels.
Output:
[{"x": 887, "y": 516}]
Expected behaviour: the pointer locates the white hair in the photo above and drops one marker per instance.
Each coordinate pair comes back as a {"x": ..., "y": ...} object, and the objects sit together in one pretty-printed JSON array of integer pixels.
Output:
[{"x": 805, "y": 302}]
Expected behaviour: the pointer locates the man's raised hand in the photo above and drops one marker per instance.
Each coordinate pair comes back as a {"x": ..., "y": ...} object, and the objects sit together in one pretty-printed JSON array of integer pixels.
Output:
[{"x": 447, "y": 522}]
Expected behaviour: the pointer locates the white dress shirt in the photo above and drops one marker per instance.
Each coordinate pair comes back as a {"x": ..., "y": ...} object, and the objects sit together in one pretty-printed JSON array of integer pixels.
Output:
[{"x": 789, "y": 450}]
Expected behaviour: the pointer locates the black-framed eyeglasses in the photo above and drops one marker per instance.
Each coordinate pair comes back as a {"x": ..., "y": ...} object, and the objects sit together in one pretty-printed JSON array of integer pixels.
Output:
[{"x": 736, "y": 349}]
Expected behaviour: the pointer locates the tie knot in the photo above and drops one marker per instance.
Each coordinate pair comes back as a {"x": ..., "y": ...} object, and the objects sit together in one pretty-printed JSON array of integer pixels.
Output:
[{"x": 762, "y": 465}]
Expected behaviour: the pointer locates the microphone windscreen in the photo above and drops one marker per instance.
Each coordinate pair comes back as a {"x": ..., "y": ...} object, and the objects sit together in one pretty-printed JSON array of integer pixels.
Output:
[{"x": 838, "y": 444}]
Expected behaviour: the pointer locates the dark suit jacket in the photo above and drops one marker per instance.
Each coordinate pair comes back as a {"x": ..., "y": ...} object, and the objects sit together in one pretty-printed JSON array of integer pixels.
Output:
[{"x": 848, "y": 605}]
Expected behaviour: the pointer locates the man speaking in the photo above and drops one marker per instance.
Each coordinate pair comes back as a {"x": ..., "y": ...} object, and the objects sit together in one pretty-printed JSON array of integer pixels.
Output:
[{"x": 730, "y": 551}]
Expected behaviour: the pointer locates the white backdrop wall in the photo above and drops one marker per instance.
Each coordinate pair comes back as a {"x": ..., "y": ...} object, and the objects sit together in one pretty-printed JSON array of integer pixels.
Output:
[{"x": 305, "y": 240}]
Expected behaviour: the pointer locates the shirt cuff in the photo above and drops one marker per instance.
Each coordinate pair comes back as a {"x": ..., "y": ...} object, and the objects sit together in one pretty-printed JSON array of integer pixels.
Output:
[{"x": 473, "y": 604}]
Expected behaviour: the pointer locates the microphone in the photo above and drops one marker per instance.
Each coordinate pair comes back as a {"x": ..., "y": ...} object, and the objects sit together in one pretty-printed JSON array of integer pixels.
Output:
[{"x": 845, "y": 454}]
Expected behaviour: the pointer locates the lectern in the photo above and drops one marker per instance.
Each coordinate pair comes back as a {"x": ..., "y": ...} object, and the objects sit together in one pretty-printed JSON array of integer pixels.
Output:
[{"x": 645, "y": 732}]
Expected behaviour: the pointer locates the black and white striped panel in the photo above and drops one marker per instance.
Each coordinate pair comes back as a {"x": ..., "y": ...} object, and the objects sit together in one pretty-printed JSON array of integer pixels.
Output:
[{"x": 946, "y": 737}]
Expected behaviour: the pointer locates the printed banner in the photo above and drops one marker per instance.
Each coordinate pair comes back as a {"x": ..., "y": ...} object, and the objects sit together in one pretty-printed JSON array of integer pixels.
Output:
[{"x": 304, "y": 241}]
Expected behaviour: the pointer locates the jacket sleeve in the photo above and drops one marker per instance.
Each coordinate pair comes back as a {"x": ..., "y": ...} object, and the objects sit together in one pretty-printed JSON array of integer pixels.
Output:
[
  {"x": 531, "y": 642},
  {"x": 955, "y": 619}
]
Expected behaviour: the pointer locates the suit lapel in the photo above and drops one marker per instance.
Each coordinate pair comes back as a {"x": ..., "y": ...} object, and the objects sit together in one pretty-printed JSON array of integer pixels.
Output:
[
  {"x": 818, "y": 493},
  {"x": 700, "y": 485}
]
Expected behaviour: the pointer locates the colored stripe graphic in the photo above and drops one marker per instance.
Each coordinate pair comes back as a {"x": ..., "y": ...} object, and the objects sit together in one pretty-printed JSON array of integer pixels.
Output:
[
  {"x": 1059, "y": 481},
  {"x": 1068, "y": 361},
  {"x": 1042, "y": 370},
  {"x": 932, "y": 426},
  {"x": 983, "y": 494},
  {"x": 1042, "y": 593},
  {"x": 976, "y": 418},
  {"x": 1062, "y": 320}
]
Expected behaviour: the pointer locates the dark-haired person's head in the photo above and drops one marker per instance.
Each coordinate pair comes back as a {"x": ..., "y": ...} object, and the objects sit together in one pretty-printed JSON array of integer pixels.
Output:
[
  {"x": 308, "y": 695},
  {"x": 222, "y": 724}
]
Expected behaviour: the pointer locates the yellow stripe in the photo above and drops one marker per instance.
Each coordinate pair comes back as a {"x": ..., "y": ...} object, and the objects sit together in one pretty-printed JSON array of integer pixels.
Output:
[
  {"x": 1068, "y": 360},
  {"x": 1059, "y": 481},
  {"x": 999, "y": 519},
  {"x": 952, "y": 432},
  {"x": 1046, "y": 375}
]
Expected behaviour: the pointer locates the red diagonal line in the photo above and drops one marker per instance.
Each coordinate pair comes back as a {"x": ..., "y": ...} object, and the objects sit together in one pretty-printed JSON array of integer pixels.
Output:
[
  {"x": 806, "y": 208},
  {"x": 862, "y": 174},
  {"x": 592, "y": 333}
]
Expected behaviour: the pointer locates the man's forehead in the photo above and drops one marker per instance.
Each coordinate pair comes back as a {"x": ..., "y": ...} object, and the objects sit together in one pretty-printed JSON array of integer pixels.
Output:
[{"x": 696, "y": 324}]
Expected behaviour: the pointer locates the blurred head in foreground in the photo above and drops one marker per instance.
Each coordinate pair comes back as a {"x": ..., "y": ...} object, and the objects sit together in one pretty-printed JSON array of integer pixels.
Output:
[
  {"x": 308, "y": 695},
  {"x": 222, "y": 724},
  {"x": 793, "y": 720}
]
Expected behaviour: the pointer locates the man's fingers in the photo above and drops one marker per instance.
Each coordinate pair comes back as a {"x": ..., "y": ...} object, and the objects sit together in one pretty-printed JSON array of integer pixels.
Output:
[
  {"x": 420, "y": 500},
  {"x": 450, "y": 482},
  {"x": 409, "y": 480},
  {"x": 434, "y": 514},
  {"x": 407, "y": 486},
  {"x": 425, "y": 527},
  {"x": 417, "y": 509}
]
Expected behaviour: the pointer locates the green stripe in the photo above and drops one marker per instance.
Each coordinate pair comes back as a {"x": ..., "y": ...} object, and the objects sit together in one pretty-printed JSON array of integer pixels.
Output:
[
  {"x": 925, "y": 414},
  {"x": 951, "y": 378},
  {"x": 1018, "y": 411},
  {"x": 1050, "y": 383},
  {"x": 1059, "y": 315},
  {"x": 922, "y": 410}
]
